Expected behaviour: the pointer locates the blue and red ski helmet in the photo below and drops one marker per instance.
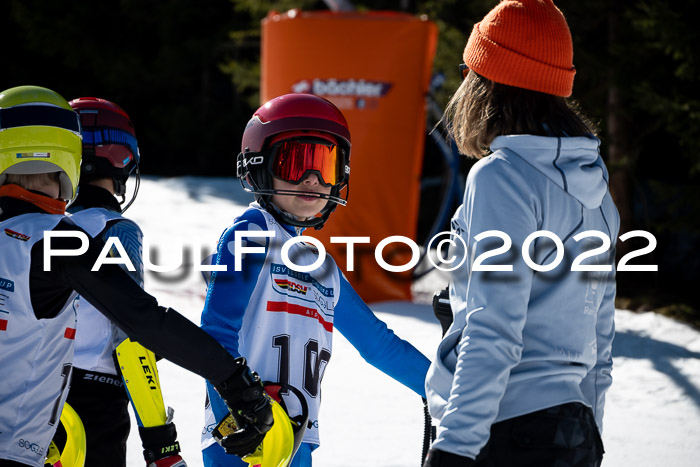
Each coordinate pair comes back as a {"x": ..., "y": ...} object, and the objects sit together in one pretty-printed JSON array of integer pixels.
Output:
[{"x": 110, "y": 148}]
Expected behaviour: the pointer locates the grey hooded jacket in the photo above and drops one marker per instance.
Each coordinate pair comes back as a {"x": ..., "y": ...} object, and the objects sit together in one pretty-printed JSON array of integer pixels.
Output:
[{"x": 525, "y": 339}]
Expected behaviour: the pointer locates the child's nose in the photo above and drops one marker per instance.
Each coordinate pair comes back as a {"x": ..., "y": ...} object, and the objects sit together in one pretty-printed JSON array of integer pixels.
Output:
[{"x": 311, "y": 179}]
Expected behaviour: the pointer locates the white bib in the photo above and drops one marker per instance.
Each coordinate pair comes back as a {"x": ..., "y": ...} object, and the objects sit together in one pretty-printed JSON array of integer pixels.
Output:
[
  {"x": 287, "y": 329},
  {"x": 97, "y": 337},
  {"x": 35, "y": 355}
]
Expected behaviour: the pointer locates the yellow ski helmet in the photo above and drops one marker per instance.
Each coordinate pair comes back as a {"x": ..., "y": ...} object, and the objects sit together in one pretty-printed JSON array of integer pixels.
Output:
[
  {"x": 39, "y": 133},
  {"x": 284, "y": 438},
  {"x": 277, "y": 448},
  {"x": 74, "y": 445}
]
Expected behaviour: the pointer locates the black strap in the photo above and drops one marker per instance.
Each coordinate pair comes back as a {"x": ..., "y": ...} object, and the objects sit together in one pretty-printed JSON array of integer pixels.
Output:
[{"x": 39, "y": 115}]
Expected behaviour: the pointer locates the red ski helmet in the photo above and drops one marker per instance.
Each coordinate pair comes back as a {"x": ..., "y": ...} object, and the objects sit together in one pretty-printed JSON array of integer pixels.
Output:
[
  {"x": 110, "y": 148},
  {"x": 302, "y": 118}
]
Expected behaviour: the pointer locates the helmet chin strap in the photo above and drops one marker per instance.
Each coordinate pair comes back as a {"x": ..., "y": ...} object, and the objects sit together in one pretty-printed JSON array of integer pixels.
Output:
[
  {"x": 263, "y": 197},
  {"x": 119, "y": 189},
  {"x": 284, "y": 217},
  {"x": 329, "y": 197},
  {"x": 137, "y": 174}
]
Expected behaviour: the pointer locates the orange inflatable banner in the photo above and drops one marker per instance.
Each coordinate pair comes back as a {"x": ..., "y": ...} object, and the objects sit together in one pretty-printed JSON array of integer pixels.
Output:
[{"x": 376, "y": 68}]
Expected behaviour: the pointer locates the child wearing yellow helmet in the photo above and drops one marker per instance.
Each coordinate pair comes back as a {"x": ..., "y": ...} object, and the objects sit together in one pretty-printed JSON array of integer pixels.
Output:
[{"x": 40, "y": 153}]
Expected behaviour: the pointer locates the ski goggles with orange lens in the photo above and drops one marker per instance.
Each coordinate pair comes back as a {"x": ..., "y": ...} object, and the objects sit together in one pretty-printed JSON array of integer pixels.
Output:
[{"x": 292, "y": 160}]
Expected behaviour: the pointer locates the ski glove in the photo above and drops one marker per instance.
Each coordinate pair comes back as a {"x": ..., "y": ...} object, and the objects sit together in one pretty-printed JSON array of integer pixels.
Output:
[
  {"x": 437, "y": 458},
  {"x": 250, "y": 407},
  {"x": 160, "y": 446}
]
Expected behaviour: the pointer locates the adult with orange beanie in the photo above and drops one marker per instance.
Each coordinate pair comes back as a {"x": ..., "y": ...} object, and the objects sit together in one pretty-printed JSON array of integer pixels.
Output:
[{"x": 521, "y": 374}]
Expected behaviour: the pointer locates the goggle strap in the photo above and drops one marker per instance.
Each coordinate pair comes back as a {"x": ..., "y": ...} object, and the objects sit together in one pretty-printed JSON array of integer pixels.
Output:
[
  {"x": 104, "y": 135},
  {"x": 39, "y": 115}
]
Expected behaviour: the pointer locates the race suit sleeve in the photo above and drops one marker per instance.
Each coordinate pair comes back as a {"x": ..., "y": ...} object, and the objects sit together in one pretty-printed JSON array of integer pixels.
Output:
[
  {"x": 378, "y": 344},
  {"x": 229, "y": 291},
  {"x": 131, "y": 238},
  {"x": 124, "y": 302},
  {"x": 496, "y": 306}
]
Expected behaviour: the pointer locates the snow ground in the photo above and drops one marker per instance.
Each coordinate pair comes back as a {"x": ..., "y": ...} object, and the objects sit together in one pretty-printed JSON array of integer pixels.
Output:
[{"x": 652, "y": 415}]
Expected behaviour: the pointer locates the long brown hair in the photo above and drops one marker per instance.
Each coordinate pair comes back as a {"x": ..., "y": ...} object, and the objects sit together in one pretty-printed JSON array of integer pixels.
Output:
[{"x": 481, "y": 109}]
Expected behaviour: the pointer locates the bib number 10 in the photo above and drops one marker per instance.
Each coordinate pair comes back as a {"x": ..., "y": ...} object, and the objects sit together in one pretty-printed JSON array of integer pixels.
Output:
[
  {"x": 576, "y": 264},
  {"x": 315, "y": 362}
]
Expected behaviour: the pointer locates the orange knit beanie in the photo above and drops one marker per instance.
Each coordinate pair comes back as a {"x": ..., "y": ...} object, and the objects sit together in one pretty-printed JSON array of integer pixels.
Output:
[{"x": 526, "y": 44}]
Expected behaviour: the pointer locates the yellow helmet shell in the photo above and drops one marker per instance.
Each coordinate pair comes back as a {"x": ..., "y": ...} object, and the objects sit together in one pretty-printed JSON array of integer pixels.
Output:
[
  {"x": 74, "y": 450},
  {"x": 39, "y": 133},
  {"x": 277, "y": 447}
]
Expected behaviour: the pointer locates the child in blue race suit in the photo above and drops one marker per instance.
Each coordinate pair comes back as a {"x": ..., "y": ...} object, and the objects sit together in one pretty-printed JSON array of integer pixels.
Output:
[{"x": 295, "y": 157}]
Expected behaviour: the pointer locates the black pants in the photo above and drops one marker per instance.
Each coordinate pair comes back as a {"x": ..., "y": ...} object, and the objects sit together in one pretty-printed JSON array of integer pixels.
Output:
[
  {"x": 102, "y": 404},
  {"x": 561, "y": 436}
]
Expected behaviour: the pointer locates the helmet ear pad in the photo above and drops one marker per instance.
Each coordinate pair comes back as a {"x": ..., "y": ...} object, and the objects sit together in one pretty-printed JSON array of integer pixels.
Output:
[
  {"x": 94, "y": 168},
  {"x": 257, "y": 176}
]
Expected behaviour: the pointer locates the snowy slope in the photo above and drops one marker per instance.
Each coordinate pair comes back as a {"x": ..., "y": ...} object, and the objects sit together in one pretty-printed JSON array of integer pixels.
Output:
[{"x": 652, "y": 416}]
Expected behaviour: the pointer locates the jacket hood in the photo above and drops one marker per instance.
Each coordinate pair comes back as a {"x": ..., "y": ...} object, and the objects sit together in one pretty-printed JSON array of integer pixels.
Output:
[{"x": 572, "y": 163}]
